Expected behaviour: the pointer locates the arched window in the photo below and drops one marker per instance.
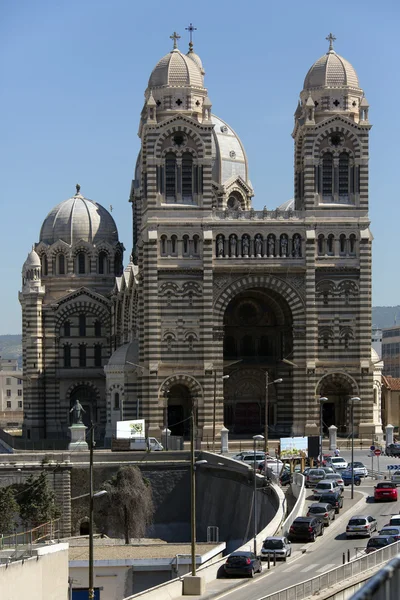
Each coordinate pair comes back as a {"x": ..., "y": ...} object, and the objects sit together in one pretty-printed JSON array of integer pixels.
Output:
[
  {"x": 67, "y": 356},
  {"x": 196, "y": 245},
  {"x": 187, "y": 177},
  {"x": 103, "y": 263},
  {"x": 174, "y": 244},
  {"x": 330, "y": 243},
  {"x": 97, "y": 328},
  {"x": 82, "y": 355},
  {"x": 45, "y": 265},
  {"x": 82, "y": 325},
  {"x": 327, "y": 175},
  {"x": 81, "y": 260},
  {"x": 67, "y": 328},
  {"x": 185, "y": 245},
  {"x": 117, "y": 264},
  {"x": 97, "y": 355},
  {"x": 342, "y": 244},
  {"x": 170, "y": 177},
  {"x": 321, "y": 249},
  {"x": 247, "y": 346},
  {"x": 117, "y": 405},
  {"x": 344, "y": 176},
  {"x": 163, "y": 245},
  {"x": 61, "y": 264},
  {"x": 352, "y": 243}
]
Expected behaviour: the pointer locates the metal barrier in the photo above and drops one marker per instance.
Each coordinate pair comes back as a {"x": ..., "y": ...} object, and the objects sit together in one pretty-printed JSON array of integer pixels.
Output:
[
  {"x": 384, "y": 585},
  {"x": 305, "y": 589},
  {"x": 46, "y": 531}
]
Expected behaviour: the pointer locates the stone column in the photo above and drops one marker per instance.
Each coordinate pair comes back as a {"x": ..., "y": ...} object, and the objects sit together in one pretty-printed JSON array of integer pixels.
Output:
[
  {"x": 389, "y": 434},
  {"x": 224, "y": 440},
  {"x": 332, "y": 437}
]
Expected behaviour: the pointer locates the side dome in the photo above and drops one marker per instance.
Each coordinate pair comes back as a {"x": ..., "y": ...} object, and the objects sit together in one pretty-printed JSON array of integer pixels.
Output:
[
  {"x": 331, "y": 71},
  {"x": 228, "y": 156},
  {"x": 79, "y": 218},
  {"x": 32, "y": 260},
  {"x": 176, "y": 70}
]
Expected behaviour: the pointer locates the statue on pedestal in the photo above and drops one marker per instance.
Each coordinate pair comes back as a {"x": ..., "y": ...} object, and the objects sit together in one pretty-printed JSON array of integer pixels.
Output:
[{"x": 77, "y": 411}]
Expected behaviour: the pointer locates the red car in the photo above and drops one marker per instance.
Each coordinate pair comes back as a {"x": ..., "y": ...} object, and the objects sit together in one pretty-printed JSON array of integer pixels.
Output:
[
  {"x": 324, "y": 459},
  {"x": 385, "y": 490}
]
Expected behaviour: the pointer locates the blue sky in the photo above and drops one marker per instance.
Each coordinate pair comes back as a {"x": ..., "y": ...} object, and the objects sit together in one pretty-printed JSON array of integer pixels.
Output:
[{"x": 73, "y": 76}]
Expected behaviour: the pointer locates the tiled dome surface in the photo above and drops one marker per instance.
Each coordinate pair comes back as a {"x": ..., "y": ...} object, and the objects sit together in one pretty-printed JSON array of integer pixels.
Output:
[
  {"x": 176, "y": 70},
  {"x": 333, "y": 71}
]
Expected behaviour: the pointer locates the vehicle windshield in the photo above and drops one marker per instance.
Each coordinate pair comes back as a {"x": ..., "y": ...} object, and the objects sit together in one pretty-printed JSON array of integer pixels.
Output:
[
  {"x": 396, "y": 473},
  {"x": 388, "y": 531},
  {"x": 385, "y": 486},
  {"x": 395, "y": 521},
  {"x": 376, "y": 542},
  {"x": 337, "y": 460},
  {"x": 273, "y": 544},
  {"x": 324, "y": 486},
  {"x": 357, "y": 521},
  {"x": 316, "y": 509}
]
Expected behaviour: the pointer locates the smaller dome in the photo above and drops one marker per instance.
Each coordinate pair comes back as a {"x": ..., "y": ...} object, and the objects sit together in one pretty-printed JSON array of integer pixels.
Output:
[
  {"x": 33, "y": 260},
  {"x": 228, "y": 155},
  {"x": 176, "y": 70},
  {"x": 124, "y": 356},
  {"x": 331, "y": 71},
  {"x": 375, "y": 358},
  {"x": 197, "y": 60},
  {"x": 288, "y": 205}
]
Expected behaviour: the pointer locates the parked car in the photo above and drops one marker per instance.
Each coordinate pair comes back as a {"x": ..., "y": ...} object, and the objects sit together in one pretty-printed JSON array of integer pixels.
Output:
[
  {"x": 361, "y": 526},
  {"x": 347, "y": 476},
  {"x": 395, "y": 478},
  {"x": 248, "y": 458},
  {"x": 306, "y": 528},
  {"x": 359, "y": 469},
  {"x": 323, "y": 511},
  {"x": 337, "y": 462},
  {"x": 314, "y": 476},
  {"x": 336, "y": 500},
  {"x": 336, "y": 477},
  {"x": 325, "y": 486},
  {"x": 393, "y": 450},
  {"x": 325, "y": 458},
  {"x": 394, "y": 520},
  {"x": 276, "y": 546},
  {"x": 271, "y": 463},
  {"x": 328, "y": 470},
  {"x": 378, "y": 542},
  {"x": 242, "y": 563},
  {"x": 385, "y": 490},
  {"x": 285, "y": 478},
  {"x": 392, "y": 530}
]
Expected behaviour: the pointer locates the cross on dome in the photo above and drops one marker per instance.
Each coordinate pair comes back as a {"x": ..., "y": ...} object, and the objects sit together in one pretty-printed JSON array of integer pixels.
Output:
[
  {"x": 175, "y": 36},
  {"x": 331, "y": 38},
  {"x": 190, "y": 29}
]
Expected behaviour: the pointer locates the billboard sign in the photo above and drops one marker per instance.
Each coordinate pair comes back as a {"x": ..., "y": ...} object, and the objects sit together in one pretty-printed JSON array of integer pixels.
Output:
[
  {"x": 294, "y": 447},
  {"x": 130, "y": 429}
]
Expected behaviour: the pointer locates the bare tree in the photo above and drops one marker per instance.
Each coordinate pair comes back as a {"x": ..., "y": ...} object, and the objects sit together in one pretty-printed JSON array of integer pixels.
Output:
[{"x": 128, "y": 504}]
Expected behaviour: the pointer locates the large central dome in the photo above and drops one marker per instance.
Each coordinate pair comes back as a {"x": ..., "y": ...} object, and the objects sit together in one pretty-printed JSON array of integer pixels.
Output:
[{"x": 79, "y": 219}]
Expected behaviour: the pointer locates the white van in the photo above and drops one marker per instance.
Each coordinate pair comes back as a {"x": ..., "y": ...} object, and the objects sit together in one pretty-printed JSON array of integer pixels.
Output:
[{"x": 151, "y": 444}]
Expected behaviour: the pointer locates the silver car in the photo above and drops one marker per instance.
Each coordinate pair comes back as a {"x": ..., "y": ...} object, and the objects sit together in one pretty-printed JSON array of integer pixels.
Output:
[
  {"x": 325, "y": 486},
  {"x": 248, "y": 458},
  {"x": 322, "y": 511},
  {"x": 359, "y": 469},
  {"x": 276, "y": 546},
  {"x": 361, "y": 526},
  {"x": 336, "y": 477}
]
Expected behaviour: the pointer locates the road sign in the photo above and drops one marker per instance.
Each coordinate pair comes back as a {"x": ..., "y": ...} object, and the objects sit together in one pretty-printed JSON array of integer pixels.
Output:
[
  {"x": 377, "y": 452},
  {"x": 393, "y": 467},
  {"x": 372, "y": 447}
]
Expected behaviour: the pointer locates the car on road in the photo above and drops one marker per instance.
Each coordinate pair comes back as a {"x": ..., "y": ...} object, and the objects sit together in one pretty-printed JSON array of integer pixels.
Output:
[
  {"x": 306, "y": 528},
  {"x": 323, "y": 511},
  {"x": 337, "y": 462},
  {"x": 377, "y": 542},
  {"x": 328, "y": 470},
  {"x": 385, "y": 490},
  {"x": 280, "y": 547},
  {"x": 274, "y": 464},
  {"x": 359, "y": 469},
  {"x": 325, "y": 486},
  {"x": 248, "y": 458},
  {"x": 242, "y": 563},
  {"x": 361, "y": 526},
  {"x": 393, "y": 450},
  {"x": 325, "y": 458},
  {"x": 314, "y": 476},
  {"x": 392, "y": 530},
  {"x": 336, "y": 500},
  {"x": 395, "y": 478},
  {"x": 394, "y": 520},
  {"x": 347, "y": 476},
  {"x": 336, "y": 477}
]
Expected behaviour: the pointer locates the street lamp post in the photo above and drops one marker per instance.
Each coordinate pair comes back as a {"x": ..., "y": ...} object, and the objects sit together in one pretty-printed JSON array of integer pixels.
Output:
[
  {"x": 215, "y": 405},
  {"x": 321, "y": 431},
  {"x": 352, "y": 400},
  {"x": 256, "y": 438},
  {"x": 267, "y": 384},
  {"x": 91, "y": 446}
]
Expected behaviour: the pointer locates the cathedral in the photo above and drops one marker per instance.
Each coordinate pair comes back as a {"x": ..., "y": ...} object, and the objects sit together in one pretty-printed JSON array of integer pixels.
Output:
[{"x": 245, "y": 316}]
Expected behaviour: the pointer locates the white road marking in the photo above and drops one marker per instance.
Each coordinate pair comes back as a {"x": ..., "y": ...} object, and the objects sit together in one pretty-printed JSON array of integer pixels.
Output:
[
  {"x": 309, "y": 568},
  {"x": 326, "y": 568}
]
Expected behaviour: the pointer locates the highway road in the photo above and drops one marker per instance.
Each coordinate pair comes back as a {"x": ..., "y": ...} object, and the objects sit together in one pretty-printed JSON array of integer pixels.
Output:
[{"x": 327, "y": 551}]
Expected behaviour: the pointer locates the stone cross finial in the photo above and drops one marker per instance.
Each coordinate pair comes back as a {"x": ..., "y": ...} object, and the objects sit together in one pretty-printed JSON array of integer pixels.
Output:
[
  {"x": 190, "y": 29},
  {"x": 175, "y": 36},
  {"x": 331, "y": 38}
]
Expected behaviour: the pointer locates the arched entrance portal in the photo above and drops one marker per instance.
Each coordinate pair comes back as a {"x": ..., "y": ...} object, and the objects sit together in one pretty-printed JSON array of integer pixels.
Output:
[
  {"x": 338, "y": 388},
  {"x": 179, "y": 407},
  {"x": 257, "y": 336},
  {"x": 88, "y": 398}
]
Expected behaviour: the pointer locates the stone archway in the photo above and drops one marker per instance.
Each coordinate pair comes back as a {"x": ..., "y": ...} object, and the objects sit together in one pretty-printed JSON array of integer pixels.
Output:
[
  {"x": 89, "y": 397},
  {"x": 338, "y": 387},
  {"x": 179, "y": 394}
]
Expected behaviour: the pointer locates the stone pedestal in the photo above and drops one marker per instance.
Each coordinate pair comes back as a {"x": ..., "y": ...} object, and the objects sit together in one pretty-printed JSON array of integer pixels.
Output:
[
  {"x": 78, "y": 437},
  {"x": 224, "y": 440},
  {"x": 311, "y": 429},
  {"x": 389, "y": 434},
  {"x": 193, "y": 586},
  {"x": 332, "y": 437},
  {"x": 154, "y": 430},
  {"x": 164, "y": 438}
]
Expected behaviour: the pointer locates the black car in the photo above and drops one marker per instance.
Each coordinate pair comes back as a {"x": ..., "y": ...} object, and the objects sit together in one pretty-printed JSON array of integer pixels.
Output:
[
  {"x": 306, "y": 528},
  {"x": 393, "y": 450},
  {"x": 378, "y": 542},
  {"x": 242, "y": 563},
  {"x": 335, "y": 499}
]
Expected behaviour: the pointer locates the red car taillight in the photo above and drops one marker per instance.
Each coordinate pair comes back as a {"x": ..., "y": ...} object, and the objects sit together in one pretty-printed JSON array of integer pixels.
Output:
[
  {"x": 326, "y": 514},
  {"x": 248, "y": 561},
  {"x": 291, "y": 528},
  {"x": 310, "y": 529}
]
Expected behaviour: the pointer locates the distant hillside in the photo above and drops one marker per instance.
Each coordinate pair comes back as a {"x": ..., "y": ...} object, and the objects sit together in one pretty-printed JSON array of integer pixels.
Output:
[
  {"x": 385, "y": 316},
  {"x": 11, "y": 347}
]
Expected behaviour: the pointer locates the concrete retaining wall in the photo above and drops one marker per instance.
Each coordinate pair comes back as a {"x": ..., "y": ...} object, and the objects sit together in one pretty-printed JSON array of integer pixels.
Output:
[{"x": 299, "y": 492}]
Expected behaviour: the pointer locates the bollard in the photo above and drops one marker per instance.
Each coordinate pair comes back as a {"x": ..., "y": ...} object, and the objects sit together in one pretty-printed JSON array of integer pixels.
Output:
[
  {"x": 274, "y": 559},
  {"x": 344, "y": 558},
  {"x": 348, "y": 555},
  {"x": 269, "y": 562}
]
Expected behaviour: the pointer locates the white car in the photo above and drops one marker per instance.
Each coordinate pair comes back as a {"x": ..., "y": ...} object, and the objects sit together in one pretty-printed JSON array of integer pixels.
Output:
[
  {"x": 337, "y": 462},
  {"x": 359, "y": 469},
  {"x": 248, "y": 458},
  {"x": 395, "y": 478}
]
